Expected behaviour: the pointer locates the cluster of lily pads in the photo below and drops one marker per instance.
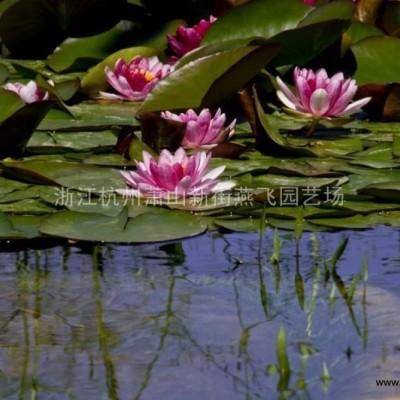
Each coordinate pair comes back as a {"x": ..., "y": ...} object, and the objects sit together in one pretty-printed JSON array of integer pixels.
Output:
[{"x": 127, "y": 146}]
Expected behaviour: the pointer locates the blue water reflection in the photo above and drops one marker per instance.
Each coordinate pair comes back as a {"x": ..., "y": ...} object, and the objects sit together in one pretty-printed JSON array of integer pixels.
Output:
[{"x": 199, "y": 319}]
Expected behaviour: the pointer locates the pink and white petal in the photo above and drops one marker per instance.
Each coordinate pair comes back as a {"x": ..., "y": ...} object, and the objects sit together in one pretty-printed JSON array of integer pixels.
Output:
[
  {"x": 180, "y": 156},
  {"x": 286, "y": 101},
  {"x": 223, "y": 186},
  {"x": 194, "y": 134},
  {"x": 214, "y": 173},
  {"x": 304, "y": 93},
  {"x": 111, "y": 96},
  {"x": 287, "y": 93},
  {"x": 147, "y": 159},
  {"x": 170, "y": 115},
  {"x": 355, "y": 106},
  {"x": 183, "y": 186},
  {"x": 319, "y": 102}
]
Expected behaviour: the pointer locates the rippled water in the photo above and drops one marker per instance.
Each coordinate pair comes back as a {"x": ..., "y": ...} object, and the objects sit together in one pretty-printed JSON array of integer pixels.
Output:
[{"x": 199, "y": 319}]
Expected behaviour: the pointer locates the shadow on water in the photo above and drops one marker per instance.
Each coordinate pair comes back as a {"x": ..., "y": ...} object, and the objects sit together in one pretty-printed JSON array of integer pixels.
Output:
[{"x": 239, "y": 316}]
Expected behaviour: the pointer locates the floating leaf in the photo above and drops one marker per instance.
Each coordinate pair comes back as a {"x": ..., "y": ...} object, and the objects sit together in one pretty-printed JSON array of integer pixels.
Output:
[
  {"x": 147, "y": 227},
  {"x": 82, "y": 53},
  {"x": 67, "y": 174},
  {"x": 255, "y": 19},
  {"x": 91, "y": 115},
  {"x": 18, "y": 123},
  {"x": 209, "y": 80},
  {"x": 373, "y": 52}
]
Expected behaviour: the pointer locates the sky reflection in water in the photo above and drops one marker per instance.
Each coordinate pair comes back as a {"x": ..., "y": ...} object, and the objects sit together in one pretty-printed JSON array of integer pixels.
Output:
[{"x": 200, "y": 319}]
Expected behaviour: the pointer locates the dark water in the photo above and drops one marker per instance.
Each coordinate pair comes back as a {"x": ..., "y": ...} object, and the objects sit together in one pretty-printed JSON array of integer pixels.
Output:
[{"x": 199, "y": 319}]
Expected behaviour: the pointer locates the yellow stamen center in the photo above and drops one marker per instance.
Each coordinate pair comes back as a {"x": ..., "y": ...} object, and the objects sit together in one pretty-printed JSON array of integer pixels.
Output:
[{"x": 148, "y": 75}]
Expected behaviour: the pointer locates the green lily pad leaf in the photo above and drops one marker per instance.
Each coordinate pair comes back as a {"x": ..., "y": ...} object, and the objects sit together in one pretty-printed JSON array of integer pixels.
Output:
[
  {"x": 376, "y": 164},
  {"x": 90, "y": 115},
  {"x": 207, "y": 81},
  {"x": 291, "y": 225},
  {"x": 106, "y": 204},
  {"x": 7, "y": 229},
  {"x": 107, "y": 160},
  {"x": 361, "y": 221},
  {"x": 304, "y": 43},
  {"x": 28, "y": 192},
  {"x": 387, "y": 191},
  {"x": 27, "y": 206},
  {"x": 145, "y": 228},
  {"x": 9, "y": 186},
  {"x": 238, "y": 224},
  {"x": 257, "y": 19},
  {"x": 96, "y": 81},
  {"x": 396, "y": 146},
  {"x": 70, "y": 175},
  {"x": 340, "y": 9},
  {"x": 332, "y": 147},
  {"x": 378, "y": 152},
  {"x": 4, "y": 73},
  {"x": 6, "y": 4},
  {"x": 33, "y": 28},
  {"x": 10, "y": 104},
  {"x": 27, "y": 225},
  {"x": 16, "y": 130},
  {"x": 82, "y": 141},
  {"x": 359, "y": 30},
  {"x": 367, "y": 207},
  {"x": 26, "y": 69},
  {"x": 82, "y": 53},
  {"x": 67, "y": 89},
  {"x": 269, "y": 140},
  {"x": 373, "y": 52}
]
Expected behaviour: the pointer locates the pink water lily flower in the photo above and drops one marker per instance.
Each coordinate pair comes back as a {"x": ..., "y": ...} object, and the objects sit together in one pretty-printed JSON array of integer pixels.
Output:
[
  {"x": 187, "y": 39},
  {"x": 204, "y": 130},
  {"x": 29, "y": 93},
  {"x": 135, "y": 80},
  {"x": 174, "y": 176},
  {"x": 318, "y": 96}
]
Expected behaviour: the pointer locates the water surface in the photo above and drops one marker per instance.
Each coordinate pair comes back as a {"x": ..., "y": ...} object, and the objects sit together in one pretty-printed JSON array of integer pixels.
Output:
[{"x": 199, "y": 319}]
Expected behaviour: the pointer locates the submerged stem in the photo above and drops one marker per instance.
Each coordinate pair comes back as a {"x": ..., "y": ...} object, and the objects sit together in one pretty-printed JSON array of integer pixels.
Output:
[{"x": 312, "y": 128}]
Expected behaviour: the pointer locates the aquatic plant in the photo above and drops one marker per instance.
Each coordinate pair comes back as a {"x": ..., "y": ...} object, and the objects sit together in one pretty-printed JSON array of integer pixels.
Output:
[
  {"x": 29, "y": 93},
  {"x": 318, "y": 96},
  {"x": 136, "y": 79},
  {"x": 202, "y": 130},
  {"x": 174, "y": 176},
  {"x": 188, "y": 39}
]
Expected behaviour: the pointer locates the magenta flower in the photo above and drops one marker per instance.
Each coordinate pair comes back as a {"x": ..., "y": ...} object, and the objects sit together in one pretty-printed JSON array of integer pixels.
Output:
[
  {"x": 174, "y": 176},
  {"x": 29, "y": 93},
  {"x": 187, "y": 39},
  {"x": 135, "y": 80},
  {"x": 202, "y": 131},
  {"x": 318, "y": 96}
]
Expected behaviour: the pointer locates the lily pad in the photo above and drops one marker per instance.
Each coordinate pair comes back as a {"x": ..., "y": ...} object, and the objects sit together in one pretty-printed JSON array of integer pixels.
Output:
[
  {"x": 147, "y": 227},
  {"x": 209, "y": 80},
  {"x": 68, "y": 174}
]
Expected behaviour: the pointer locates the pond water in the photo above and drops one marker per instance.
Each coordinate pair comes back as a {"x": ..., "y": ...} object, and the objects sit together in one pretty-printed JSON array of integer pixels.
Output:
[{"x": 199, "y": 319}]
